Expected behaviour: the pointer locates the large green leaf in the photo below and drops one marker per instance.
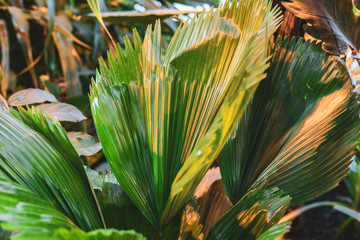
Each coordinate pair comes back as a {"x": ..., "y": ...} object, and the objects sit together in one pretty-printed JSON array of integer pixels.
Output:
[
  {"x": 162, "y": 128},
  {"x": 300, "y": 74},
  {"x": 331, "y": 21},
  {"x": 252, "y": 216},
  {"x": 30, "y": 215},
  {"x": 52, "y": 173}
]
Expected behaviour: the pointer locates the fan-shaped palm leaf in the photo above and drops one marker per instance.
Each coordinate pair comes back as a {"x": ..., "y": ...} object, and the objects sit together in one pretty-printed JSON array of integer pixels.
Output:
[
  {"x": 290, "y": 126},
  {"x": 162, "y": 127}
]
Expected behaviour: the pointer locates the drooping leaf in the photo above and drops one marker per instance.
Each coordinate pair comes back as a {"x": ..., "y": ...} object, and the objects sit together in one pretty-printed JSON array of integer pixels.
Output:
[
  {"x": 62, "y": 111},
  {"x": 64, "y": 46},
  {"x": 84, "y": 144},
  {"x": 30, "y": 159},
  {"x": 94, "y": 5},
  {"x": 30, "y": 96},
  {"x": 28, "y": 214},
  {"x": 152, "y": 125},
  {"x": 331, "y": 21},
  {"x": 300, "y": 75},
  {"x": 275, "y": 232},
  {"x": 22, "y": 28},
  {"x": 5, "y": 58},
  {"x": 147, "y": 17},
  {"x": 252, "y": 216},
  {"x": 99, "y": 234}
]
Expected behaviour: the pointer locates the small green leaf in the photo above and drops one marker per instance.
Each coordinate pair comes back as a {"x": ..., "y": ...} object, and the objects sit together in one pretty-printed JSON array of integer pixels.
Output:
[
  {"x": 84, "y": 144},
  {"x": 275, "y": 232},
  {"x": 99, "y": 234}
]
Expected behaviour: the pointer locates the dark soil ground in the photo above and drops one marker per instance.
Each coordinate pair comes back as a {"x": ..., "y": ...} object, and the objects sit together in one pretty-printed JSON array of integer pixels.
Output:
[{"x": 322, "y": 223}]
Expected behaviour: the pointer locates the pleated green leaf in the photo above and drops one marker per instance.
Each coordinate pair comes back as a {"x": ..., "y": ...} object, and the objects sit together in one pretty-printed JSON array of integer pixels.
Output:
[
  {"x": 30, "y": 159},
  {"x": 275, "y": 232},
  {"x": 152, "y": 125},
  {"x": 31, "y": 216},
  {"x": 99, "y": 234},
  {"x": 243, "y": 76},
  {"x": 252, "y": 216},
  {"x": 300, "y": 76}
]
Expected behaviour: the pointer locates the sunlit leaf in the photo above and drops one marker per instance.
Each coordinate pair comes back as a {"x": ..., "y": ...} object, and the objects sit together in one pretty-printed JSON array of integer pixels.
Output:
[
  {"x": 190, "y": 229},
  {"x": 331, "y": 21},
  {"x": 62, "y": 111},
  {"x": 30, "y": 96},
  {"x": 252, "y": 216},
  {"x": 30, "y": 159}
]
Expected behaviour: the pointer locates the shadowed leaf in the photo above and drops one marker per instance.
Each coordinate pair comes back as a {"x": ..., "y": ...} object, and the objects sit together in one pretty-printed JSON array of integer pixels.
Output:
[
  {"x": 331, "y": 21},
  {"x": 21, "y": 26},
  {"x": 300, "y": 75}
]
